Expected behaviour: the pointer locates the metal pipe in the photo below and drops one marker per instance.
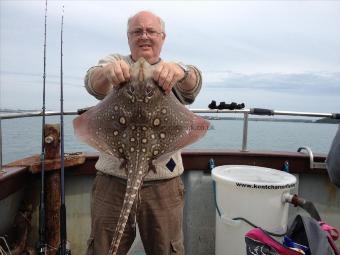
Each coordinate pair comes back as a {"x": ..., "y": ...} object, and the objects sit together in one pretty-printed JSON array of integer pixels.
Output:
[
  {"x": 311, "y": 156},
  {"x": 245, "y": 132},
  {"x": 307, "y": 205},
  {"x": 245, "y": 112},
  {"x": 286, "y": 113},
  {"x": 7, "y": 116}
]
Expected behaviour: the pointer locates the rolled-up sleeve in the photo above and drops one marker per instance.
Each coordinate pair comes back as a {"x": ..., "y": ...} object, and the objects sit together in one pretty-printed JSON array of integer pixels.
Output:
[
  {"x": 88, "y": 85},
  {"x": 101, "y": 63},
  {"x": 189, "y": 96}
]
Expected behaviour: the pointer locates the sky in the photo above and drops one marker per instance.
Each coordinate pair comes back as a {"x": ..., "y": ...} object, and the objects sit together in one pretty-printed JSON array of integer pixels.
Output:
[{"x": 282, "y": 55}]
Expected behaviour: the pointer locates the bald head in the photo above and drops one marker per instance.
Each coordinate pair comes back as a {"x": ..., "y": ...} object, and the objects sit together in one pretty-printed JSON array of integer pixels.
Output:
[
  {"x": 146, "y": 14},
  {"x": 146, "y": 36}
]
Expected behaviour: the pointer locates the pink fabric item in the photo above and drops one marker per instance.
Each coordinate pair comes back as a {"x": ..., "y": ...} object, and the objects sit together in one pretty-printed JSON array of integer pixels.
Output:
[
  {"x": 332, "y": 231},
  {"x": 332, "y": 235},
  {"x": 259, "y": 235}
]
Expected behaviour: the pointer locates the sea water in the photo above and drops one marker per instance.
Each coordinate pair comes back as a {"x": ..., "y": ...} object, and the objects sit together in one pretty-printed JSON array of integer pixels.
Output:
[{"x": 22, "y": 137}]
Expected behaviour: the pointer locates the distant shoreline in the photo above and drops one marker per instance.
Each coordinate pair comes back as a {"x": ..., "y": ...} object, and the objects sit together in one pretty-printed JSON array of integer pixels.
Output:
[
  {"x": 271, "y": 119},
  {"x": 17, "y": 111}
]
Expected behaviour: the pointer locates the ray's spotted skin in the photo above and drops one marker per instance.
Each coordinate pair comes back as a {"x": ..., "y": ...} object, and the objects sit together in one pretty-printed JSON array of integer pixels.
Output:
[{"x": 140, "y": 124}]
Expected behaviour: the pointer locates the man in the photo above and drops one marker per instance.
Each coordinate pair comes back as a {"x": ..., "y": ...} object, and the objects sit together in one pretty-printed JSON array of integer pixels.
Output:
[{"x": 159, "y": 209}]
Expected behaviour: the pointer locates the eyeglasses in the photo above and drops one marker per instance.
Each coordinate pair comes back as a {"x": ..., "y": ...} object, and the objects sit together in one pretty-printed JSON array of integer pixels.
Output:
[{"x": 148, "y": 32}]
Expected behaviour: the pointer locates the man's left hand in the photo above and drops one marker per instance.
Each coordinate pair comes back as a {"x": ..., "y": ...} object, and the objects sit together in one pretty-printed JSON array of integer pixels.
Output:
[{"x": 167, "y": 74}]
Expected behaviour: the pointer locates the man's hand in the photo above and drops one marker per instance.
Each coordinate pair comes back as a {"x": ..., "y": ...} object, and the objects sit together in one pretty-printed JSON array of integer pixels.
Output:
[
  {"x": 117, "y": 72},
  {"x": 167, "y": 74}
]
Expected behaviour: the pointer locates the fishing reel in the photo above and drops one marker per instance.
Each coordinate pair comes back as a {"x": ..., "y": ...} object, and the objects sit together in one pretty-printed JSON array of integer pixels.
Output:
[{"x": 41, "y": 248}]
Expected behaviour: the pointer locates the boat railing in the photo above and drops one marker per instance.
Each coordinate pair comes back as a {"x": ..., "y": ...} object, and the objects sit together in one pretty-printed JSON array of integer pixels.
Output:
[{"x": 244, "y": 112}]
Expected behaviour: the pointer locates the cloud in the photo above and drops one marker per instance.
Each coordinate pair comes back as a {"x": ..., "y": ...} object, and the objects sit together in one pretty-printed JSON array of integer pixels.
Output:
[
  {"x": 257, "y": 50},
  {"x": 321, "y": 83}
]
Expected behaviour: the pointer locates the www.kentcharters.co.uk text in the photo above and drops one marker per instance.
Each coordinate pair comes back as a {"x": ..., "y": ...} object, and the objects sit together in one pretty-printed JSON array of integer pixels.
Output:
[{"x": 266, "y": 186}]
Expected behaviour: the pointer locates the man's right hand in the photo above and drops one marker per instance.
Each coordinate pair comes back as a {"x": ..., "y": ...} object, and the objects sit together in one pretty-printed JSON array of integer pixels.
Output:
[{"x": 117, "y": 72}]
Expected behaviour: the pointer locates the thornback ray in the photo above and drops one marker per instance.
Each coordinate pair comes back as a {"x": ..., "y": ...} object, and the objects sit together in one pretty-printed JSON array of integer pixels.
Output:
[{"x": 139, "y": 123}]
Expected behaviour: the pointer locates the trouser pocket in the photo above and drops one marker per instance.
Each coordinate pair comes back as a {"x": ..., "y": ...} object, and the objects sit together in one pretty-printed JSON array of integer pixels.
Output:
[
  {"x": 177, "y": 247},
  {"x": 90, "y": 246}
]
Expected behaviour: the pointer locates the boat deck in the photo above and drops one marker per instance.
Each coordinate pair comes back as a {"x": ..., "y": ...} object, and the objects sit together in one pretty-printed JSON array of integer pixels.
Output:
[{"x": 18, "y": 184}]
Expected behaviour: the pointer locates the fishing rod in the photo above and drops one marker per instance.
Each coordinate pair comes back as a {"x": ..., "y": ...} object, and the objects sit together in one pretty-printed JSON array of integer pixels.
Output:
[
  {"x": 63, "y": 250},
  {"x": 42, "y": 246}
]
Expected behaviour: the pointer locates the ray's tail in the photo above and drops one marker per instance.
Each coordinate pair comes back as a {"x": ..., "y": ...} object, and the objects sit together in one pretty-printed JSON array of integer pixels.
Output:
[{"x": 134, "y": 183}]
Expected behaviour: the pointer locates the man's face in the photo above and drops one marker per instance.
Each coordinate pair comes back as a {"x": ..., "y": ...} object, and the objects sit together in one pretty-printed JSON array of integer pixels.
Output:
[{"x": 145, "y": 37}]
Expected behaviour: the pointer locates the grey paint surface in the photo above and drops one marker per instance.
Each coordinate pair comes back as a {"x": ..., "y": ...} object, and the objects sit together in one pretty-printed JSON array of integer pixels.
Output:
[
  {"x": 199, "y": 211},
  {"x": 8, "y": 209}
]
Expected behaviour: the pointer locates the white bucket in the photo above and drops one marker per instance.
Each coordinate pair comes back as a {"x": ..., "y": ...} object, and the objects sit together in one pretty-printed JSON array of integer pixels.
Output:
[{"x": 253, "y": 193}]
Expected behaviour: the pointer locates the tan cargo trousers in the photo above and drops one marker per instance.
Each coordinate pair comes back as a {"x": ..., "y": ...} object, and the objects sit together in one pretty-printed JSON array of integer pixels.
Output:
[{"x": 159, "y": 214}]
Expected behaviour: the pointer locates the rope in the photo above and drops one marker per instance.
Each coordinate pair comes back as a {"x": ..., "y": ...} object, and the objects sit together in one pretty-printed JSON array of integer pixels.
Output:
[{"x": 254, "y": 226}]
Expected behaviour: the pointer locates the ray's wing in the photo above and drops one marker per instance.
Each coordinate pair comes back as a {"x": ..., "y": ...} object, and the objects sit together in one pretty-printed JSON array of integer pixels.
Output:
[
  {"x": 181, "y": 127},
  {"x": 101, "y": 126}
]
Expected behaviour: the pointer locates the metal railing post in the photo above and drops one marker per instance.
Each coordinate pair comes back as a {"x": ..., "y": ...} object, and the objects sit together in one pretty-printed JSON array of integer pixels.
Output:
[
  {"x": 0, "y": 144},
  {"x": 245, "y": 132}
]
